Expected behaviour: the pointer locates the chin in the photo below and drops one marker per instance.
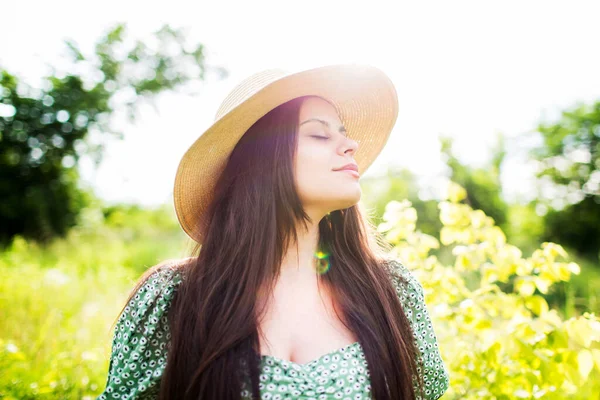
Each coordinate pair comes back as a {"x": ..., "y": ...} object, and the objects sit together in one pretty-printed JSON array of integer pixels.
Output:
[{"x": 350, "y": 199}]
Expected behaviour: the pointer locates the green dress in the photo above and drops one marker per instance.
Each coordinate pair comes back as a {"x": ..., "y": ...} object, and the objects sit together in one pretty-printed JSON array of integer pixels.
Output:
[{"x": 141, "y": 335}]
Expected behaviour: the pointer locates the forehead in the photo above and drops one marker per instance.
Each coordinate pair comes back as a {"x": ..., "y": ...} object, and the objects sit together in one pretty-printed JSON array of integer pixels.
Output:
[{"x": 318, "y": 107}]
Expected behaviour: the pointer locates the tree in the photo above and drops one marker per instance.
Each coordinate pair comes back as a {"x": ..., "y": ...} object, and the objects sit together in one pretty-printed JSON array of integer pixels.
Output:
[
  {"x": 483, "y": 186},
  {"x": 569, "y": 170},
  {"x": 43, "y": 132}
]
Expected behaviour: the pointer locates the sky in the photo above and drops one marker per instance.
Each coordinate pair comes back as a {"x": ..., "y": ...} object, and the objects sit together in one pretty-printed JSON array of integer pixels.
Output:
[{"x": 465, "y": 69}]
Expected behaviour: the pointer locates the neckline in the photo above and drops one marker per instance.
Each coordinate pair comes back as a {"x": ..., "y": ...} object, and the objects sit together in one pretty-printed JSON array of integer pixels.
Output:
[{"x": 338, "y": 350}]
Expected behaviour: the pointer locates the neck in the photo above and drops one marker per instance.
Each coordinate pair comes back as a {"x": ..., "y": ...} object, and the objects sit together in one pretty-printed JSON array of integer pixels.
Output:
[{"x": 300, "y": 256}]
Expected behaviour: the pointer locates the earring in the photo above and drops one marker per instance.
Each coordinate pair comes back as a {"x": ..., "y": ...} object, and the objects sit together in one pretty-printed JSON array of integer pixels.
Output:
[{"x": 322, "y": 263}]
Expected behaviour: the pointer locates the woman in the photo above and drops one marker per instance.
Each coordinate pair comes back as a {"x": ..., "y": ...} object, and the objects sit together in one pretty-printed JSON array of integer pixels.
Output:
[{"x": 289, "y": 294}]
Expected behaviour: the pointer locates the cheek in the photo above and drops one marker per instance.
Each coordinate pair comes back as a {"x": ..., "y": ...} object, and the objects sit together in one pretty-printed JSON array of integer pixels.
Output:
[{"x": 313, "y": 169}]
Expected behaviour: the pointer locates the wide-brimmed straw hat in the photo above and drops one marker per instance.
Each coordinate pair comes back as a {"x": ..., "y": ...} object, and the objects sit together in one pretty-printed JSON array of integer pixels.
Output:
[{"x": 363, "y": 96}]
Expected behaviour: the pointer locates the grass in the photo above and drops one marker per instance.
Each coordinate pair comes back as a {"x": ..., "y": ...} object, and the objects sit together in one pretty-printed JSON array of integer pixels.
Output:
[{"x": 57, "y": 306}]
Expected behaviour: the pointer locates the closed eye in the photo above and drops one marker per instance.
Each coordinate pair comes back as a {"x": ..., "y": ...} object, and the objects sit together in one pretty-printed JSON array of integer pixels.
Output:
[{"x": 320, "y": 137}]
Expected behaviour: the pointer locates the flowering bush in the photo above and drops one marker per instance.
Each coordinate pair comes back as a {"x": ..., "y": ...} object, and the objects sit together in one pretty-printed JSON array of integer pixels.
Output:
[{"x": 496, "y": 332}]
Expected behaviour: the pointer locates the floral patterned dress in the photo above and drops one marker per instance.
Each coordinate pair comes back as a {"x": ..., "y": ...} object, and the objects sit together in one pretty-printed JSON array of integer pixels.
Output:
[{"x": 141, "y": 335}]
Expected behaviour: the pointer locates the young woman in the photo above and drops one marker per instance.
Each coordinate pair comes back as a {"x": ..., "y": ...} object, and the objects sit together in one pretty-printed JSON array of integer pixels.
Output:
[{"x": 289, "y": 293}]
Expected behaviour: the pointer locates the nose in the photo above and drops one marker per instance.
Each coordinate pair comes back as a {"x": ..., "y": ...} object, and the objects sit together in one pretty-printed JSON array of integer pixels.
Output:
[{"x": 349, "y": 146}]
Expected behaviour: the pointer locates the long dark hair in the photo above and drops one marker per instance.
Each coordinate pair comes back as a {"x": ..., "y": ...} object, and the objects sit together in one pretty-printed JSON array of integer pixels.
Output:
[{"x": 252, "y": 221}]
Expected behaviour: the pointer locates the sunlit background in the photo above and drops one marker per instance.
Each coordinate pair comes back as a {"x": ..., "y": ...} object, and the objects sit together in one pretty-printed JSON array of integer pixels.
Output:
[
  {"x": 509, "y": 263},
  {"x": 466, "y": 69}
]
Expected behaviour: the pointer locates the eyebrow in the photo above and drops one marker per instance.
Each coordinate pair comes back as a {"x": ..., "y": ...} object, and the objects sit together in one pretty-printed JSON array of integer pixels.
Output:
[{"x": 342, "y": 128}]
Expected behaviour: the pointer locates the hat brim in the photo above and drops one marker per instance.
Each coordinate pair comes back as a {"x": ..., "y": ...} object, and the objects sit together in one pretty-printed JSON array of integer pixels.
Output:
[{"x": 363, "y": 96}]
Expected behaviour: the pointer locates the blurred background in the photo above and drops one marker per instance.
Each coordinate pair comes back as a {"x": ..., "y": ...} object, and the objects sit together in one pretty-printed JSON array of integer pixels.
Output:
[{"x": 99, "y": 102}]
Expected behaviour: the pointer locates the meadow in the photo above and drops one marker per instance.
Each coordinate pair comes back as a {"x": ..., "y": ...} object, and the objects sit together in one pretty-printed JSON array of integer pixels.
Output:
[
  {"x": 498, "y": 334},
  {"x": 58, "y": 304}
]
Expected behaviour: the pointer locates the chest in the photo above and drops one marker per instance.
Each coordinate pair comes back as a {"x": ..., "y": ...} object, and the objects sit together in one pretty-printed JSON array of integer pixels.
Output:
[{"x": 299, "y": 324}]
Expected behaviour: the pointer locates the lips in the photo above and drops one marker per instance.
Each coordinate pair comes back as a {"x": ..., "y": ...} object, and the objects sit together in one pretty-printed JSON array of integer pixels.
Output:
[
  {"x": 351, "y": 172},
  {"x": 351, "y": 167}
]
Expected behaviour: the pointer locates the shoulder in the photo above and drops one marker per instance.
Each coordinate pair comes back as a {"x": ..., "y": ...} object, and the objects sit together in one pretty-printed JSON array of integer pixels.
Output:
[
  {"x": 410, "y": 292},
  {"x": 141, "y": 336},
  {"x": 411, "y": 295},
  {"x": 162, "y": 277},
  {"x": 403, "y": 279},
  {"x": 154, "y": 290},
  {"x": 167, "y": 272}
]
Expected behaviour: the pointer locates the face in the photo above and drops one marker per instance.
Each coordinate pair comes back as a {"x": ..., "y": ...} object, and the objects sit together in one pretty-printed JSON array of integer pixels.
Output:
[{"x": 324, "y": 147}]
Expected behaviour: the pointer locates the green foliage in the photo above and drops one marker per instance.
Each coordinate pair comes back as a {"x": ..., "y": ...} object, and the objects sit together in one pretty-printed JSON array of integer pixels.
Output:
[
  {"x": 571, "y": 148},
  {"x": 524, "y": 226},
  {"x": 58, "y": 303},
  {"x": 43, "y": 133},
  {"x": 483, "y": 186},
  {"x": 577, "y": 226},
  {"x": 399, "y": 183},
  {"x": 497, "y": 333},
  {"x": 582, "y": 292},
  {"x": 40, "y": 196},
  {"x": 569, "y": 162}
]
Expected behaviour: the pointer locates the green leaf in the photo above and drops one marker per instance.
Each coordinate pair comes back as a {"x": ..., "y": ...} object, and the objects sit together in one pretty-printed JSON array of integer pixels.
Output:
[
  {"x": 585, "y": 363},
  {"x": 537, "y": 304},
  {"x": 455, "y": 192},
  {"x": 525, "y": 287},
  {"x": 596, "y": 356},
  {"x": 542, "y": 284},
  {"x": 580, "y": 331}
]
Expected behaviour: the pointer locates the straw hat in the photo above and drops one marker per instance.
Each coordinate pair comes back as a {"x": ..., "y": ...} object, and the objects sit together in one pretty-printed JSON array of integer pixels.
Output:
[{"x": 363, "y": 96}]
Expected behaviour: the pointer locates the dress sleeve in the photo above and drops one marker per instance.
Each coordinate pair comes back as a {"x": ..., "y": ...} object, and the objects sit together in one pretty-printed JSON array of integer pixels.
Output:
[
  {"x": 410, "y": 291},
  {"x": 141, "y": 335}
]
